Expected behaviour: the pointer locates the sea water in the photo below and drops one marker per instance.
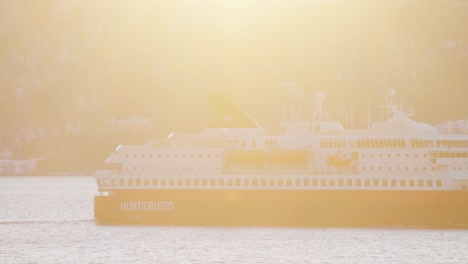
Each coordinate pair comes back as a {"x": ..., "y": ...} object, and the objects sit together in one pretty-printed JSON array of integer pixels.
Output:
[{"x": 50, "y": 220}]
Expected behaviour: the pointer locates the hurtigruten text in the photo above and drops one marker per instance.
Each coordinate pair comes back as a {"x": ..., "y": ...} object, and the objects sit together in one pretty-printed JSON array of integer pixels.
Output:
[{"x": 146, "y": 206}]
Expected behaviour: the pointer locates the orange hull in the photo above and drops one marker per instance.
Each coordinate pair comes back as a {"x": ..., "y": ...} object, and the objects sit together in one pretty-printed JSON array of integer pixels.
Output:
[{"x": 293, "y": 208}]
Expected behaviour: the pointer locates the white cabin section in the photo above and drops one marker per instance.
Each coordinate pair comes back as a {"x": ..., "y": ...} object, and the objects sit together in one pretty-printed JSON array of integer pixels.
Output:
[
  {"x": 400, "y": 124},
  {"x": 234, "y": 152}
]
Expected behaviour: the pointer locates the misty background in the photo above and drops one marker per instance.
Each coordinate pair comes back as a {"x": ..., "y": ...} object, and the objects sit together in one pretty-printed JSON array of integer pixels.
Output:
[{"x": 79, "y": 77}]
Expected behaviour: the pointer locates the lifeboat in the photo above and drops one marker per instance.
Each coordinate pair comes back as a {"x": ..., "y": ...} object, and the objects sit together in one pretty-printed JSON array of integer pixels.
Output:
[
  {"x": 294, "y": 156},
  {"x": 245, "y": 156},
  {"x": 338, "y": 161}
]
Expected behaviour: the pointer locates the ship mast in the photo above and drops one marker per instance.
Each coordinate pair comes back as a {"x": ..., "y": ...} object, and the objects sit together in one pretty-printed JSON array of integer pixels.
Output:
[{"x": 320, "y": 114}]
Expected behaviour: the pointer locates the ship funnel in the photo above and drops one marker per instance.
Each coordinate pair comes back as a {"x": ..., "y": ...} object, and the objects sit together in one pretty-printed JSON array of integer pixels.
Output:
[{"x": 228, "y": 114}]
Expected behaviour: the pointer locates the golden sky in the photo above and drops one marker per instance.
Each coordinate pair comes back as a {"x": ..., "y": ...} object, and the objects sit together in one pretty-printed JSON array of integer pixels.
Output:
[{"x": 161, "y": 58}]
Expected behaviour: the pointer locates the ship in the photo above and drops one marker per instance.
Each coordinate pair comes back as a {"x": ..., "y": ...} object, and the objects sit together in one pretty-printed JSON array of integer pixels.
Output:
[
  {"x": 16, "y": 167},
  {"x": 315, "y": 173}
]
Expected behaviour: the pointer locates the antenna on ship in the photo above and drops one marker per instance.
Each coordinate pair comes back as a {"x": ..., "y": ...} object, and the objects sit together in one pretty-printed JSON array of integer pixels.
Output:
[
  {"x": 389, "y": 108},
  {"x": 295, "y": 106},
  {"x": 391, "y": 94},
  {"x": 320, "y": 114}
]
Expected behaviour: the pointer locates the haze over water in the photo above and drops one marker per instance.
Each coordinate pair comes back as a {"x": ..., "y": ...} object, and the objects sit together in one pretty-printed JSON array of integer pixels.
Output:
[
  {"x": 50, "y": 220},
  {"x": 78, "y": 78}
]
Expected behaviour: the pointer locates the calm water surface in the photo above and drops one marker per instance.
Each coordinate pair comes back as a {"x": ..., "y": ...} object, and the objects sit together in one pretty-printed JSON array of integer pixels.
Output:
[{"x": 50, "y": 220}]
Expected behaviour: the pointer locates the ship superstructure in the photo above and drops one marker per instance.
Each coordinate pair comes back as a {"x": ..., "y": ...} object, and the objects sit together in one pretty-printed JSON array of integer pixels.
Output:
[{"x": 316, "y": 169}]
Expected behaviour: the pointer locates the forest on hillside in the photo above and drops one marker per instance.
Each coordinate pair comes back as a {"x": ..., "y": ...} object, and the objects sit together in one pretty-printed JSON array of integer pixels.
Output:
[{"x": 77, "y": 78}]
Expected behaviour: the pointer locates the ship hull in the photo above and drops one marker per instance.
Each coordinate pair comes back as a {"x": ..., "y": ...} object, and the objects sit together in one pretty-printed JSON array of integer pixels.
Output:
[{"x": 288, "y": 208}]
